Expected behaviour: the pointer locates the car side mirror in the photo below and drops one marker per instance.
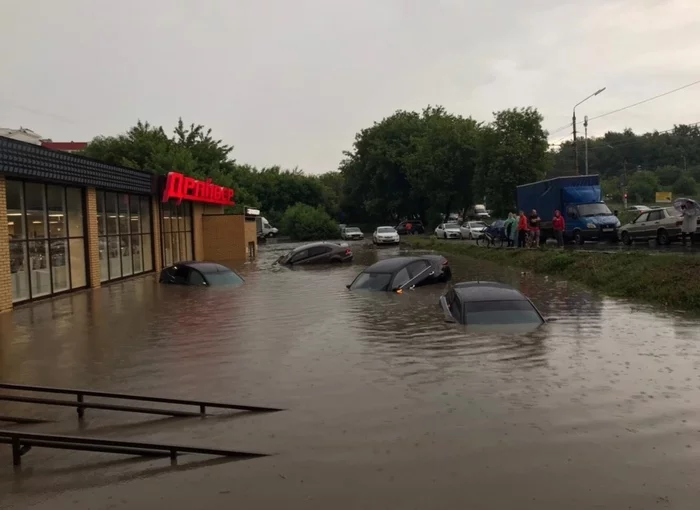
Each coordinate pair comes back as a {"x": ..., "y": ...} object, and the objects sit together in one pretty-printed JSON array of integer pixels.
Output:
[{"x": 348, "y": 286}]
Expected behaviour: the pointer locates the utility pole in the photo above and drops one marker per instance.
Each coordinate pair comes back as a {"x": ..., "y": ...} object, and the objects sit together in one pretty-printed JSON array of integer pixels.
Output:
[{"x": 585, "y": 137}]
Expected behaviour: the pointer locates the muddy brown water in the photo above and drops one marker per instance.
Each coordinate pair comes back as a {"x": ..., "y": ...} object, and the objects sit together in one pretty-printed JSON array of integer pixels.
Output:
[{"x": 387, "y": 406}]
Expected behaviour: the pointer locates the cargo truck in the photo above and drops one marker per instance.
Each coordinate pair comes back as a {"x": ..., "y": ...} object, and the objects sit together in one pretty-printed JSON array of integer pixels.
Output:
[{"x": 578, "y": 198}]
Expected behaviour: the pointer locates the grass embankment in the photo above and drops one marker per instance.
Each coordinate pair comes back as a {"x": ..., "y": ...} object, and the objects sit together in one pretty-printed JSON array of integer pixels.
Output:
[{"x": 669, "y": 279}]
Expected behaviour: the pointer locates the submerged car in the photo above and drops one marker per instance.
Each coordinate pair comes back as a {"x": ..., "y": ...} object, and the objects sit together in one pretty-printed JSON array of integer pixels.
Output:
[
  {"x": 352, "y": 233},
  {"x": 400, "y": 273},
  {"x": 489, "y": 303},
  {"x": 316, "y": 253},
  {"x": 448, "y": 231},
  {"x": 200, "y": 273},
  {"x": 386, "y": 235}
]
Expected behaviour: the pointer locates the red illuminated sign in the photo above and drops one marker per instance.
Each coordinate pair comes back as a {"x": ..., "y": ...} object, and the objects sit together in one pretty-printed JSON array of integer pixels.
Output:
[{"x": 178, "y": 187}]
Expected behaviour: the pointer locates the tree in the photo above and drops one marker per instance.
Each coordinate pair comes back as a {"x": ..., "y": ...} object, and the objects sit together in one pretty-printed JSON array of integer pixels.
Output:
[
  {"x": 685, "y": 186},
  {"x": 643, "y": 186},
  {"x": 306, "y": 223},
  {"x": 513, "y": 151},
  {"x": 668, "y": 175}
]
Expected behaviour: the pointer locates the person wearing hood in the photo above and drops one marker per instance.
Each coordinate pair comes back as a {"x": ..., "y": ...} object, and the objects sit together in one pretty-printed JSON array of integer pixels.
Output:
[
  {"x": 558, "y": 225},
  {"x": 510, "y": 226},
  {"x": 690, "y": 223},
  {"x": 522, "y": 229}
]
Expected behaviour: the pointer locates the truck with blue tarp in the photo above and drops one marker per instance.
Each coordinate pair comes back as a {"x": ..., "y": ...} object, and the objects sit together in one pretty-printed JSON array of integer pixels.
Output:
[{"x": 579, "y": 200}]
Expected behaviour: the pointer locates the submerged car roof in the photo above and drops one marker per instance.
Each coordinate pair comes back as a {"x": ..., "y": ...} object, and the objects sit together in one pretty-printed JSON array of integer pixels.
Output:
[
  {"x": 392, "y": 264},
  {"x": 205, "y": 267},
  {"x": 311, "y": 245},
  {"x": 487, "y": 291}
]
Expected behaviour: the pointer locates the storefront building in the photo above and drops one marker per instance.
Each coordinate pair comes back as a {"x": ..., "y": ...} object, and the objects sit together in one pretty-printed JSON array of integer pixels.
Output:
[{"x": 74, "y": 223}]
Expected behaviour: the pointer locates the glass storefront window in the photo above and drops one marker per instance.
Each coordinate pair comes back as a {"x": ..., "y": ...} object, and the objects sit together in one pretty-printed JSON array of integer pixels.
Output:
[
  {"x": 35, "y": 202},
  {"x": 74, "y": 204},
  {"x": 127, "y": 240},
  {"x": 45, "y": 258},
  {"x": 15, "y": 210},
  {"x": 101, "y": 219},
  {"x": 177, "y": 233}
]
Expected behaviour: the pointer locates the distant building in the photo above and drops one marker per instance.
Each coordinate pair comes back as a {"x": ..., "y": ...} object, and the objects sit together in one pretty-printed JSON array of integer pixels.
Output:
[
  {"x": 22, "y": 134},
  {"x": 64, "y": 146}
]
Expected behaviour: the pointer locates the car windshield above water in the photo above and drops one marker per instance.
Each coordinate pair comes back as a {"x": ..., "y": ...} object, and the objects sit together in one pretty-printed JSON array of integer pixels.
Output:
[
  {"x": 386, "y": 230},
  {"x": 372, "y": 281},
  {"x": 588, "y": 210}
]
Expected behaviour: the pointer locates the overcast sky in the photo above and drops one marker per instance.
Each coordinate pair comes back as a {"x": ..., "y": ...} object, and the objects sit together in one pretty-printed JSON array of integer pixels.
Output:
[{"x": 290, "y": 82}]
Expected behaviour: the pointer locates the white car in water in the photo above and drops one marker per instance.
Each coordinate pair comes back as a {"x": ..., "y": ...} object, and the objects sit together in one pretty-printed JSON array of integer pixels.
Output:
[
  {"x": 385, "y": 235},
  {"x": 448, "y": 231},
  {"x": 472, "y": 229}
]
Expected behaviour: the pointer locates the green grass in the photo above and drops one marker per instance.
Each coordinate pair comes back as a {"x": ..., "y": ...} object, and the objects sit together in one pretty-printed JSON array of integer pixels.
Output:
[{"x": 669, "y": 280}]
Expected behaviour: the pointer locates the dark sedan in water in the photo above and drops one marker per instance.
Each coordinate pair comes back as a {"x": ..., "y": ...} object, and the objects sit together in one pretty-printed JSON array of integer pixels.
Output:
[
  {"x": 200, "y": 273},
  {"x": 316, "y": 253},
  {"x": 400, "y": 273},
  {"x": 490, "y": 303}
]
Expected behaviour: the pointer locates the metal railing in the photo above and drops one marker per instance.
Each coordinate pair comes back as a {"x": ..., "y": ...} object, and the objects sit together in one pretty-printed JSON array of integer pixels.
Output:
[
  {"x": 23, "y": 442},
  {"x": 80, "y": 404}
]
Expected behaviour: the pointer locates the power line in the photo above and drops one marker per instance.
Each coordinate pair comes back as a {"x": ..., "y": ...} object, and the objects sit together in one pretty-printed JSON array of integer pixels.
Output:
[
  {"x": 630, "y": 142},
  {"x": 567, "y": 126}
]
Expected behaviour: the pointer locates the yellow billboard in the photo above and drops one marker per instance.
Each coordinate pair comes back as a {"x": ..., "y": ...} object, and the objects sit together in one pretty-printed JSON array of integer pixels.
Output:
[{"x": 664, "y": 197}]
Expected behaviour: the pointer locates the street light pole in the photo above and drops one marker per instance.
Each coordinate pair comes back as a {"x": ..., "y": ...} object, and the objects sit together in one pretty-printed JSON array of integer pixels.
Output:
[
  {"x": 574, "y": 123},
  {"x": 585, "y": 138}
]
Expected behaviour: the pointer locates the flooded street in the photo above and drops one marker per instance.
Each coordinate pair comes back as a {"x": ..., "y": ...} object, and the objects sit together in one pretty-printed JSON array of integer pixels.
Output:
[{"x": 386, "y": 405}]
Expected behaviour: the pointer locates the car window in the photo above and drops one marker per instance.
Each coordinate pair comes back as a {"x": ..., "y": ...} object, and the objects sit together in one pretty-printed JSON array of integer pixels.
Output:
[
  {"x": 500, "y": 312},
  {"x": 401, "y": 278},
  {"x": 386, "y": 230},
  {"x": 571, "y": 212},
  {"x": 673, "y": 212},
  {"x": 655, "y": 215},
  {"x": 300, "y": 256},
  {"x": 223, "y": 278},
  {"x": 318, "y": 250},
  {"x": 415, "y": 268},
  {"x": 642, "y": 217},
  {"x": 451, "y": 225},
  {"x": 440, "y": 226},
  {"x": 180, "y": 274},
  {"x": 456, "y": 308},
  {"x": 195, "y": 278},
  {"x": 371, "y": 281}
]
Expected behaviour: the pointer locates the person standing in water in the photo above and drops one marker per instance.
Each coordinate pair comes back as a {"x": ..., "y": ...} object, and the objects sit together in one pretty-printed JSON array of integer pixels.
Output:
[
  {"x": 522, "y": 229},
  {"x": 534, "y": 229},
  {"x": 559, "y": 226}
]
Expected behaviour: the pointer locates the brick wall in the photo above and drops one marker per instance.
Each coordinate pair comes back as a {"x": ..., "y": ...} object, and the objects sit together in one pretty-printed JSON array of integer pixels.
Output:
[
  {"x": 224, "y": 238},
  {"x": 93, "y": 241},
  {"x": 5, "y": 271},
  {"x": 157, "y": 251}
]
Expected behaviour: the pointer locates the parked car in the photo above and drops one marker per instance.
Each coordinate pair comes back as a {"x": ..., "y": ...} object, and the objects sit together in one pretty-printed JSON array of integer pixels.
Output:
[
  {"x": 385, "y": 235},
  {"x": 416, "y": 227},
  {"x": 488, "y": 303},
  {"x": 448, "y": 231},
  {"x": 664, "y": 225},
  {"x": 352, "y": 233},
  {"x": 316, "y": 253},
  {"x": 200, "y": 273},
  {"x": 472, "y": 229},
  {"x": 400, "y": 273},
  {"x": 639, "y": 208}
]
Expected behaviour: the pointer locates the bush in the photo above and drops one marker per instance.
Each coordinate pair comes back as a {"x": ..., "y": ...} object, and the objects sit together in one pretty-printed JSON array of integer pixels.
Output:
[
  {"x": 306, "y": 223},
  {"x": 685, "y": 186}
]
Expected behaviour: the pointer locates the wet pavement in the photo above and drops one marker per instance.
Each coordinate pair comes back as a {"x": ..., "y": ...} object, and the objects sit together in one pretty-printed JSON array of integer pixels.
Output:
[{"x": 387, "y": 406}]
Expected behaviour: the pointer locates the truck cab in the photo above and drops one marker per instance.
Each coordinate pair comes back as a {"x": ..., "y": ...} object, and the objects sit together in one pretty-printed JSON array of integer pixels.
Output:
[
  {"x": 591, "y": 221},
  {"x": 264, "y": 228}
]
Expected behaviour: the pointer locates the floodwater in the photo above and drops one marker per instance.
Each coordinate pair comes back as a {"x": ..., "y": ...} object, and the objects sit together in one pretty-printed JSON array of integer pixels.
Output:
[{"x": 386, "y": 405}]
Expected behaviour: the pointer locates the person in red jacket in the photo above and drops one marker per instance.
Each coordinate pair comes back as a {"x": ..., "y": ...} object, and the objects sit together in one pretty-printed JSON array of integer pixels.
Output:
[
  {"x": 559, "y": 226},
  {"x": 522, "y": 229}
]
